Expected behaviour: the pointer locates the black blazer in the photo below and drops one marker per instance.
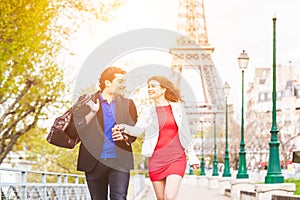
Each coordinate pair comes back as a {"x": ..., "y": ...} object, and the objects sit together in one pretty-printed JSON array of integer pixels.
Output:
[{"x": 92, "y": 136}]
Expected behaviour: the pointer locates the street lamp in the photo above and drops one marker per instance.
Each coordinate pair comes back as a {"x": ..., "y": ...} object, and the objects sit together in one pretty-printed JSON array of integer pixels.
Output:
[
  {"x": 202, "y": 172},
  {"x": 243, "y": 60},
  {"x": 274, "y": 174},
  {"x": 215, "y": 169},
  {"x": 226, "y": 172}
]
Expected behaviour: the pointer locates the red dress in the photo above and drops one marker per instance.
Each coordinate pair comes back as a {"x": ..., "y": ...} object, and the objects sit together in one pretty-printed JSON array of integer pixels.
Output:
[{"x": 168, "y": 156}]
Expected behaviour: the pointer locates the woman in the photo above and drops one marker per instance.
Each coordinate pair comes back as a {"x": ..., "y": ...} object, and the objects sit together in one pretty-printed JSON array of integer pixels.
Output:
[{"x": 167, "y": 137}]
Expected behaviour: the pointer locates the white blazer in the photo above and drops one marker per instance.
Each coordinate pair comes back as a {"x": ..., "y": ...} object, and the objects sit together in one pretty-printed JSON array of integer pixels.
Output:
[{"x": 148, "y": 124}]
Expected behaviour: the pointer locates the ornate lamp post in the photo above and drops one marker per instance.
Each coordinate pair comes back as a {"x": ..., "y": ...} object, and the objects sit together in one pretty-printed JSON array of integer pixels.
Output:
[
  {"x": 202, "y": 172},
  {"x": 215, "y": 168},
  {"x": 274, "y": 174},
  {"x": 226, "y": 172},
  {"x": 243, "y": 60}
]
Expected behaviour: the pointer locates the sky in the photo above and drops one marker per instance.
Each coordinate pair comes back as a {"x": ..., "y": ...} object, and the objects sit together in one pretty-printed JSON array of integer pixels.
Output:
[{"x": 232, "y": 26}]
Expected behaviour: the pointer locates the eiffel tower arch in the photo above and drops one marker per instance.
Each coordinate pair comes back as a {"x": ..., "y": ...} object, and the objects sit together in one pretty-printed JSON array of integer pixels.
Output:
[{"x": 194, "y": 52}]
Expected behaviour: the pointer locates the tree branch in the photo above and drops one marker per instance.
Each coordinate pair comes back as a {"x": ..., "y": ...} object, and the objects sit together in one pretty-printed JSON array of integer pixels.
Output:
[
  {"x": 14, "y": 124},
  {"x": 12, "y": 140},
  {"x": 29, "y": 83}
]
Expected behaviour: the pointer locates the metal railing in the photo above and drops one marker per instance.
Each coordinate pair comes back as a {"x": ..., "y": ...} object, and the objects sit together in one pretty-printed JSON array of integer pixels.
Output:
[{"x": 29, "y": 185}]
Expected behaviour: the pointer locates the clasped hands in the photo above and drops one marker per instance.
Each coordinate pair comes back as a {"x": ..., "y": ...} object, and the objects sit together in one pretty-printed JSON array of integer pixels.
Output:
[{"x": 118, "y": 133}]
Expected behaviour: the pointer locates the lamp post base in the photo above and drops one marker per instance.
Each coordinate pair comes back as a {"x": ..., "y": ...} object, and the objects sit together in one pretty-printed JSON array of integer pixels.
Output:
[
  {"x": 242, "y": 176},
  {"x": 274, "y": 174},
  {"x": 274, "y": 178},
  {"x": 242, "y": 171},
  {"x": 191, "y": 172},
  {"x": 202, "y": 172},
  {"x": 215, "y": 169},
  {"x": 226, "y": 172}
]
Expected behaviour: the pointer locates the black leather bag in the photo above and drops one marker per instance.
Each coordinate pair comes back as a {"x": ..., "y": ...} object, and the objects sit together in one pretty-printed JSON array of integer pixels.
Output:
[{"x": 59, "y": 134}]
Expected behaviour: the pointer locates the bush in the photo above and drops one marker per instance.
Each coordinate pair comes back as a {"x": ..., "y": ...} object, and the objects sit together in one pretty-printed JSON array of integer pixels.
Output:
[{"x": 297, "y": 182}]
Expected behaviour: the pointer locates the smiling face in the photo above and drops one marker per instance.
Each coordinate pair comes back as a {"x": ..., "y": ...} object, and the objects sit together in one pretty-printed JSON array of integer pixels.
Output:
[
  {"x": 117, "y": 85},
  {"x": 155, "y": 91}
]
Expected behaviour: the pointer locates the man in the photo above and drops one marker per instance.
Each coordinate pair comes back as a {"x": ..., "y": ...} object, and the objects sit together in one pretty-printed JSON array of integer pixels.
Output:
[{"x": 107, "y": 163}]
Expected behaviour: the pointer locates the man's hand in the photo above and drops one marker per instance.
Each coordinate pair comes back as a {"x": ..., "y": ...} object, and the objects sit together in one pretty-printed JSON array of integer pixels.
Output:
[{"x": 94, "y": 106}]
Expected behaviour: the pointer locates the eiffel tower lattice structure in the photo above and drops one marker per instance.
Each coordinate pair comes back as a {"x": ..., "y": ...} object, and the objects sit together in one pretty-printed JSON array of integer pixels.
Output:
[{"x": 193, "y": 51}]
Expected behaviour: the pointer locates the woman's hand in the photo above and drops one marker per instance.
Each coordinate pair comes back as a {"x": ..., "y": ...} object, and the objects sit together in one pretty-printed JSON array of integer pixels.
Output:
[{"x": 195, "y": 166}]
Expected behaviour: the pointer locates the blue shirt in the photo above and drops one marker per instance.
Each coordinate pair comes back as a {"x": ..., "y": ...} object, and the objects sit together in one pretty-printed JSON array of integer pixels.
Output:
[{"x": 109, "y": 116}]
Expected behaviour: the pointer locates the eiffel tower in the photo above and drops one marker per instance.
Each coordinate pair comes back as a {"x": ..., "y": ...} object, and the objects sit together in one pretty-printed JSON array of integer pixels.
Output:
[{"x": 193, "y": 51}]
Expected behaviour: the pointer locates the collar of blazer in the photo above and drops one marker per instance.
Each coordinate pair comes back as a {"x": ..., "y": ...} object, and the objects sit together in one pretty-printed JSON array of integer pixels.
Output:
[{"x": 96, "y": 96}]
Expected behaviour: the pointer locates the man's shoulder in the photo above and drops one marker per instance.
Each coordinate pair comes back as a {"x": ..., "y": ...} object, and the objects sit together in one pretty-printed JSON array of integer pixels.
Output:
[
  {"x": 122, "y": 98},
  {"x": 123, "y": 101}
]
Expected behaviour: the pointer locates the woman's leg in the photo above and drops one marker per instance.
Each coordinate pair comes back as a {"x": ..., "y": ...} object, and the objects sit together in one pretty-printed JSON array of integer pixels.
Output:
[
  {"x": 172, "y": 187},
  {"x": 159, "y": 188}
]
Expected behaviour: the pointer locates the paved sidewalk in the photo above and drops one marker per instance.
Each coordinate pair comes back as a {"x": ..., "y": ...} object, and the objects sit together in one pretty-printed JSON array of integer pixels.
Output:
[{"x": 186, "y": 192}]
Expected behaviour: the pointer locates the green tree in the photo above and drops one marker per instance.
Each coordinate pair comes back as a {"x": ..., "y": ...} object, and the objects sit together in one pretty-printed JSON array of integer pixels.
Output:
[
  {"x": 32, "y": 34},
  {"x": 29, "y": 78}
]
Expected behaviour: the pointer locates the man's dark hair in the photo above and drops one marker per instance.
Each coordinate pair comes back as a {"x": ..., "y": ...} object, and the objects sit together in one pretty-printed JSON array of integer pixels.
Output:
[{"x": 109, "y": 74}]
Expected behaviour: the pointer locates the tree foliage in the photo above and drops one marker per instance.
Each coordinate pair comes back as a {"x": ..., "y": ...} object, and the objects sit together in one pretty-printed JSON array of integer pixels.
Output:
[
  {"x": 46, "y": 157},
  {"x": 29, "y": 78},
  {"x": 32, "y": 34}
]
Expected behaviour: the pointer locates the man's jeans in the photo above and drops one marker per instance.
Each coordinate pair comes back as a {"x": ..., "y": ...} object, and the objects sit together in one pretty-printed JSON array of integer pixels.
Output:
[{"x": 108, "y": 172}]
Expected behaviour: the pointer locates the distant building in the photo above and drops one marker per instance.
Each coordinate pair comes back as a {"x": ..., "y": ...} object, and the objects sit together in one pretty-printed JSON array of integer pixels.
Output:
[{"x": 259, "y": 110}]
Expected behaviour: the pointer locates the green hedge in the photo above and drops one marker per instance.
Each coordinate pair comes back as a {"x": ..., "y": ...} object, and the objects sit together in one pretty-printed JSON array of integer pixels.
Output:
[{"x": 297, "y": 182}]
